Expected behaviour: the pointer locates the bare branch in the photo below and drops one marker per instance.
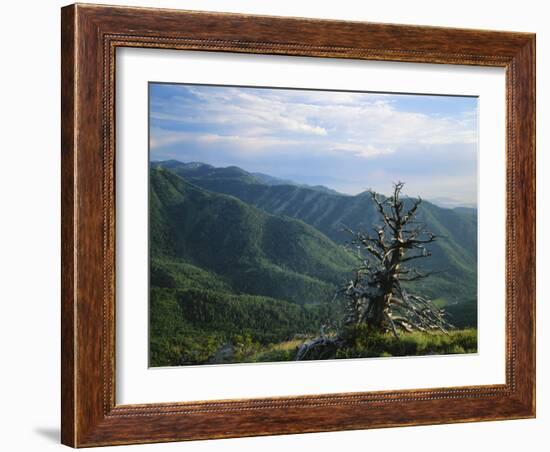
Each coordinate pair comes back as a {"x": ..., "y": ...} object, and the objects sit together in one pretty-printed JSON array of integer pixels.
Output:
[
  {"x": 412, "y": 211},
  {"x": 380, "y": 206},
  {"x": 425, "y": 253},
  {"x": 416, "y": 275}
]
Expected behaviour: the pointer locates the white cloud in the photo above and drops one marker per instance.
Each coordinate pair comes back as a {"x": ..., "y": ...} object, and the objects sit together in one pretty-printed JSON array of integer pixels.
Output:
[
  {"x": 359, "y": 150},
  {"x": 363, "y": 125},
  {"x": 160, "y": 139},
  {"x": 348, "y": 141}
]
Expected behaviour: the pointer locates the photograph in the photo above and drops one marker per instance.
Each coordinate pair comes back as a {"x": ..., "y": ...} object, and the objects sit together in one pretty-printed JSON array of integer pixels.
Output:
[{"x": 292, "y": 224}]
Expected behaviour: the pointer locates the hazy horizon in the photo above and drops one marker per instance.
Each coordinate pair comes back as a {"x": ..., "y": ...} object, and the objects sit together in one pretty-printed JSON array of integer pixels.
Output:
[
  {"x": 441, "y": 201},
  {"x": 347, "y": 141}
]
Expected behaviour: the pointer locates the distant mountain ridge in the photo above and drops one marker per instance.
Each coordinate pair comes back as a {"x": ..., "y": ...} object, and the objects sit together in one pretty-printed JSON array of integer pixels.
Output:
[
  {"x": 204, "y": 168},
  {"x": 450, "y": 203},
  {"x": 454, "y": 255}
]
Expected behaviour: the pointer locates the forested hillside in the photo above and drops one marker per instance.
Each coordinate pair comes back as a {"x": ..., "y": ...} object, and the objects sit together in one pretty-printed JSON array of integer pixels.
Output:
[
  {"x": 454, "y": 255},
  {"x": 221, "y": 268},
  {"x": 241, "y": 262},
  {"x": 255, "y": 252}
]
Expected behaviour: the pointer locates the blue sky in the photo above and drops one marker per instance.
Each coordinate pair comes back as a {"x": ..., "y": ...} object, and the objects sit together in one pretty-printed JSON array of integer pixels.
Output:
[{"x": 344, "y": 140}]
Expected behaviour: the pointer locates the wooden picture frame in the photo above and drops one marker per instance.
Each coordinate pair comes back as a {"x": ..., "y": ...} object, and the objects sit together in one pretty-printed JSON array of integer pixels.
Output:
[{"x": 90, "y": 36}]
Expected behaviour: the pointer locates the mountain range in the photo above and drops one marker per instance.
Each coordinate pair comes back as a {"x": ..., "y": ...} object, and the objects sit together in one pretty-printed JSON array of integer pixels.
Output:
[
  {"x": 234, "y": 251},
  {"x": 454, "y": 255},
  {"x": 254, "y": 252}
]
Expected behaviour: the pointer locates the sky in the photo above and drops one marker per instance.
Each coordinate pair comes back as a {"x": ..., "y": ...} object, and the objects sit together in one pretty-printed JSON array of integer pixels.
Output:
[{"x": 347, "y": 141}]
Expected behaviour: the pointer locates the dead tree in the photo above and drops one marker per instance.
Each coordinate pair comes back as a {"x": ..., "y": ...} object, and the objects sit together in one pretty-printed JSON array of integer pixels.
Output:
[{"x": 375, "y": 295}]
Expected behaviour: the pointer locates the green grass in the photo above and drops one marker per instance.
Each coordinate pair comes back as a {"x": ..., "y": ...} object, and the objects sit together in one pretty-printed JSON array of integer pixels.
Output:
[
  {"x": 365, "y": 345},
  {"x": 284, "y": 351},
  {"x": 362, "y": 343}
]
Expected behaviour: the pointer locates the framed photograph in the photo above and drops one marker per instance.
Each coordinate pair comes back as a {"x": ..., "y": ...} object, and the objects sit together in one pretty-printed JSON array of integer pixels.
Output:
[{"x": 282, "y": 225}]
